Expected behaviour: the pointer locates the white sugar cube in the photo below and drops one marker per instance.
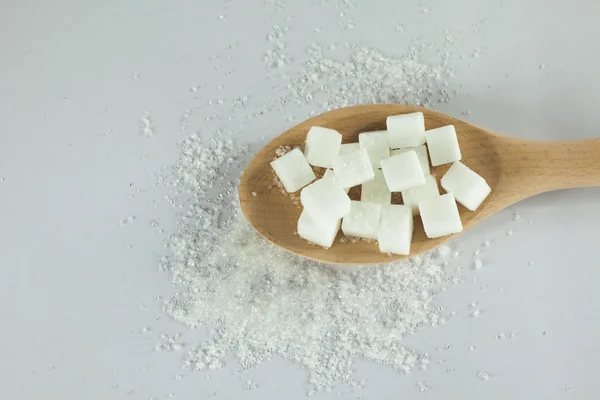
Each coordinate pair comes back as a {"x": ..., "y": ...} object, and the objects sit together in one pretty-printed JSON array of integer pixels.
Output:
[
  {"x": 403, "y": 171},
  {"x": 421, "y": 153},
  {"x": 395, "y": 230},
  {"x": 322, "y": 146},
  {"x": 443, "y": 145},
  {"x": 413, "y": 197},
  {"x": 440, "y": 216},
  {"x": 376, "y": 191},
  {"x": 347, "y": 148},
  {"x": 363, "y": 220},
  {"x": 322, "y": 234},
  {"x": 353, "y": 169},
  {"x": 324, "y": 201},
  {"x": 466, "y": 185},
  {"x": 406, "y": 130},
  {"x": 293, "y": 170},
  {"x": 330, "y": 175},
  {"x": 376, "y": 144}
]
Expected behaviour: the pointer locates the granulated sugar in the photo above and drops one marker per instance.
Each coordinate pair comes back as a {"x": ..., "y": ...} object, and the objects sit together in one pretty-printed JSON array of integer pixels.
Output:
[
  {"x": 262, "y": 301},
  {"x": 267, "y": 302},
  {"x": 366, "y": 76},
  {"x": 147, "y": 129}
]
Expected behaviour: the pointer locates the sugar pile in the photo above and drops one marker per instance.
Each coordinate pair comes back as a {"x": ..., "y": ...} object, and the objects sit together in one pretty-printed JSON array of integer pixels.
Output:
[{"x": 263, "y": 302}]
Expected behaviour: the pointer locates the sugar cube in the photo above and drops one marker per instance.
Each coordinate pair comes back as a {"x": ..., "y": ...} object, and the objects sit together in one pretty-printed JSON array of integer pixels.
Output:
[
  {"x": 363, "y": 220},
  {"x": 466, "y": 185},
  {"x": 324, "y": 201},
  {"x": 406, "y": 130},
  {"x": 353, "y": 169},
  {"x": 413, "y": 197},
  {"x": 347, "y": 148},
  {"x": 293, "y": 170},
  {"x": 440, "y": 216},
  {"x": 376, "y": 144},
  {"x": 443, "y": 145},
  {"x": 421, "y": 153},
  {"x": 330, "y": 175},
  {"x": 322, "y": 146},
  {"x": 395, "y": 230},
  {"x": 403, "y": 171},
  {"x": 376, "y": 191},
  {"x": 322, "y": 234}
]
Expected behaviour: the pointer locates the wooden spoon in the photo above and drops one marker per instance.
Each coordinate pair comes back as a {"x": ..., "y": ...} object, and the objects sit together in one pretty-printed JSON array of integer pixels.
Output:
[{"x": 514, "y": 168}]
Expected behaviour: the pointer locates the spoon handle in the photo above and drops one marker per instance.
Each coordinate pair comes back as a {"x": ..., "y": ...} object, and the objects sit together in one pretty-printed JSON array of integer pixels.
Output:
[{"x": 537, "y": 167}]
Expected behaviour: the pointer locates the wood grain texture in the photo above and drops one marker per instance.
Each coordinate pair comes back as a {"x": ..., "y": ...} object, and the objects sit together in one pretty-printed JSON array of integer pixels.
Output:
[{"x": 514, "y": 168}]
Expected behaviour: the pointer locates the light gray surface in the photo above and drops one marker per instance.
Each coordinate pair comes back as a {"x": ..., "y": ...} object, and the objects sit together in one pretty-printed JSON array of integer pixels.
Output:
[{"x": 74, "y": 298}]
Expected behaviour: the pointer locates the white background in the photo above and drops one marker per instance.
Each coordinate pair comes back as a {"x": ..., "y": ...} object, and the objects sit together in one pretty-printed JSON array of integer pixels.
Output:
[{"x": 76, "y": 78}]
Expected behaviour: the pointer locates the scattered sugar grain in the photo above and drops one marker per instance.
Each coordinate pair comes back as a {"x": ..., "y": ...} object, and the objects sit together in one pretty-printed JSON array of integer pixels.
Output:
[
  {"x": 484, "y": 376},
  {"x": 147, "y": 128},
  {"x": 477, "y": 264},
  {"x": 444, "y": 251},
  {"x": 423, "y": 387}
]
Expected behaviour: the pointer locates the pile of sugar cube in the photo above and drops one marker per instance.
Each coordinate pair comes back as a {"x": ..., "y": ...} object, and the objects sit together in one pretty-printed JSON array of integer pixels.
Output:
[{"x": 392, "y": 160}]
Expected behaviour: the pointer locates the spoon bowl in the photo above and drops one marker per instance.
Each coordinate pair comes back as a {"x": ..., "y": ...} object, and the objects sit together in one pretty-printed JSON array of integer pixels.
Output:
[{"x": 514, "y": 168}]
